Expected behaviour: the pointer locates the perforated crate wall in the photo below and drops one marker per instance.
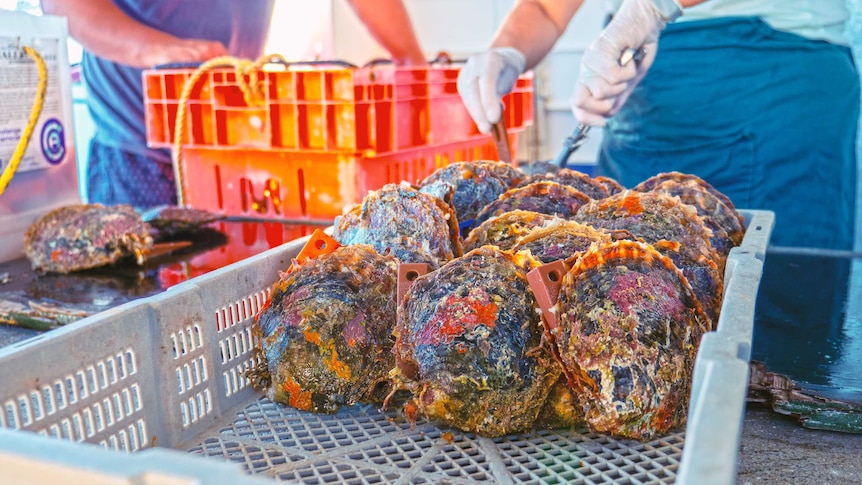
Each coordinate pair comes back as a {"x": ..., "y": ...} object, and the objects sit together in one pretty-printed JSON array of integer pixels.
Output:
[
  {"x": 98, "y": 393},
  {"x": 167, "y": 371}
]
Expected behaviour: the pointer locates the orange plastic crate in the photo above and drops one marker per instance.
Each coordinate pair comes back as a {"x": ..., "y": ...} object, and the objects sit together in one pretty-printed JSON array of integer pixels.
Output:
[
  {"x": 262, "y": 184},
  {"x": 321, "y": 108}
]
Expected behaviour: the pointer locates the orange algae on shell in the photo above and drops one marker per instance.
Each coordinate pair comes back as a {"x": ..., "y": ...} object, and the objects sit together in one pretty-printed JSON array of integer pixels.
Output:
[
  {"x": 673, "y": 228},
  {"x": 298, "y": 398},
  {"x": 468, "y": 342},
  {"x": 629, "y": 327},
  {"x": 326, "y": 333}
]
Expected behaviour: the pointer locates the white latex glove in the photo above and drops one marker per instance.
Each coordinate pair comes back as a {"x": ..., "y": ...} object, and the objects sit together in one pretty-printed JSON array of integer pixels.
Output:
[
  {"x": 484, "y": 80},
  {"x": 603, "y": 84}
]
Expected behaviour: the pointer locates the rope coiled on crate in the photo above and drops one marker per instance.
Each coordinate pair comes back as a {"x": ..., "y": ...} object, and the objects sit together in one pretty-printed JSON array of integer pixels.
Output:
[
  {"x": 41, "y": 88},
  {"x": 252, "y": 94}
]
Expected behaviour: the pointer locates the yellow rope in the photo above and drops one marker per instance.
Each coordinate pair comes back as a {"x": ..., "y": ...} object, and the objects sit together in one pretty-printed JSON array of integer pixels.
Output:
[
  {"x": 18, "y": 154},
  {"x": 252, "y": 94}
]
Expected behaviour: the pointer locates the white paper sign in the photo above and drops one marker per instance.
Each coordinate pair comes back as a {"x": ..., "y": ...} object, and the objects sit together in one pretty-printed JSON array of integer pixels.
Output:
[
  {"x": 47, "y": 177},
  {"x": 19, "y": 79}
]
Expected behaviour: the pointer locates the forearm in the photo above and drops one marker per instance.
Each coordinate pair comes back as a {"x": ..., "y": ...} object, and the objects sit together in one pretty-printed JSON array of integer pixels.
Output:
[
  {"x": 106, "y": 31},
  {"x": 690, "y": 3},
  {"x": 534, "y": 26},
  {"x": 388, "y": 22}
]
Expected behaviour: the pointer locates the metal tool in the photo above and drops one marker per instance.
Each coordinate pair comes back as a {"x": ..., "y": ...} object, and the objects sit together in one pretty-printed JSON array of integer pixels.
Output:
[
  {"x": 501, "y": 139},
  {"x": 579, "y": 136},
  {"x": 160, "y": 249}
]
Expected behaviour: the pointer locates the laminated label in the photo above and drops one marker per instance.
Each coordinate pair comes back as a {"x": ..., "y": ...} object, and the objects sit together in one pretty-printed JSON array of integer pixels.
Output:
[{"x": 19, "y": 79}]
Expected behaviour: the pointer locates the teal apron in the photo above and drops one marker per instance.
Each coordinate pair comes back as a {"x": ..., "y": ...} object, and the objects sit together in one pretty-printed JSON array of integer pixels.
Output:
[{"x": 769, "y": 118}]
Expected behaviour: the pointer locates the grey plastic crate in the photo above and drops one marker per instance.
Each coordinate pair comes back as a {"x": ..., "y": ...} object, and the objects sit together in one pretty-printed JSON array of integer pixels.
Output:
[{"x": 166, "y": 371}]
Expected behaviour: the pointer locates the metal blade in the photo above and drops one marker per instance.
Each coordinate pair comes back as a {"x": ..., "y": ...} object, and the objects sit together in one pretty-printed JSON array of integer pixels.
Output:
[{"x": 579, "y": 136}]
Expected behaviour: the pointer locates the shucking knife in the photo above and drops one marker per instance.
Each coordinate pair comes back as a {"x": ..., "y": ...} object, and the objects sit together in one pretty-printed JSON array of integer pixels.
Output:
[
  {"x": 578, "y": 137},
  {"x": 501, "y": 138}
]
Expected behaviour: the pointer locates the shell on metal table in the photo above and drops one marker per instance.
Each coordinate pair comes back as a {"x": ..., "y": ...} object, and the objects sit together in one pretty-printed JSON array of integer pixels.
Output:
[
  {"x": 673, "y": 228},
  {"x": 505, "y": 229},
  {"x": 326, "y": 333},
  {"x": 170, "y": 221},
  {"x": 84, "y": 236},
  {"x": 577, "y": 180},
  {"x": 472, "y": 185},
  {"x": 468, "y": 344},
  {"x": 545, "y": 197},
  {"x": 628, "y": 329},
  {"x": 398, "y": 219}
]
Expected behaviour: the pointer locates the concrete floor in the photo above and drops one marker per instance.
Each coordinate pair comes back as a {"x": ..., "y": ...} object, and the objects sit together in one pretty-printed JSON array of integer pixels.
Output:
[{"x": 776, "y": 449}]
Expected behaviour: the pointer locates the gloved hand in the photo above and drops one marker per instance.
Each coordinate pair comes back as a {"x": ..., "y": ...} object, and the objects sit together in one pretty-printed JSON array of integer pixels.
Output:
[
  {"x": 485, "y": 79},
  {"x": 603, "y": 83}
]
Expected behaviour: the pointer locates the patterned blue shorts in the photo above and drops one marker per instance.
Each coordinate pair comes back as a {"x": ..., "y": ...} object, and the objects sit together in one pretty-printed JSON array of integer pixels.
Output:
[{"x": 115, "y": 176}]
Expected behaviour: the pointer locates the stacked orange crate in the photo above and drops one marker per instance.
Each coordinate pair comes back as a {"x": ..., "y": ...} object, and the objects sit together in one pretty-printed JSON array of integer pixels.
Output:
[{"x": 321, "y": 136}]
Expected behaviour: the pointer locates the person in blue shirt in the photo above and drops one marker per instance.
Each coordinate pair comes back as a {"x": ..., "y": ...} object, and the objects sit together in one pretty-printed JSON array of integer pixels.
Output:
[
  {"x": 757, "y": 97},
  {"x": 123, "y": 37}
]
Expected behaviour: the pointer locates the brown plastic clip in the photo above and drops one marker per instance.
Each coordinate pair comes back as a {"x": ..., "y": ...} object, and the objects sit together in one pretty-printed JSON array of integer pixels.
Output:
[
  {"x": 545, "y": 282},
  {"x": 407, "y": 274},
  {"x": 318, "y": 244}
]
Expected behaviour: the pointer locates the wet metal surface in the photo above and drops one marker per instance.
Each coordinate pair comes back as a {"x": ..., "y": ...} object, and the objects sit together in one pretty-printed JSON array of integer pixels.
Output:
[{"x": 812, "y": 331}]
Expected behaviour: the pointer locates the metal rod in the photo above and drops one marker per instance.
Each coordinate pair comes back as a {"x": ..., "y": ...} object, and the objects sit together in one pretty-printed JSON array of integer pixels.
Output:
[{"x": 819, "y": 252}]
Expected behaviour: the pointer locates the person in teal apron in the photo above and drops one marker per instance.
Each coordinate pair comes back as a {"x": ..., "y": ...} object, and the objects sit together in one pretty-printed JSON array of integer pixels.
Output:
[
  {"x": 759, "y": 98},
  {"x": 769, "y": 118}
]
